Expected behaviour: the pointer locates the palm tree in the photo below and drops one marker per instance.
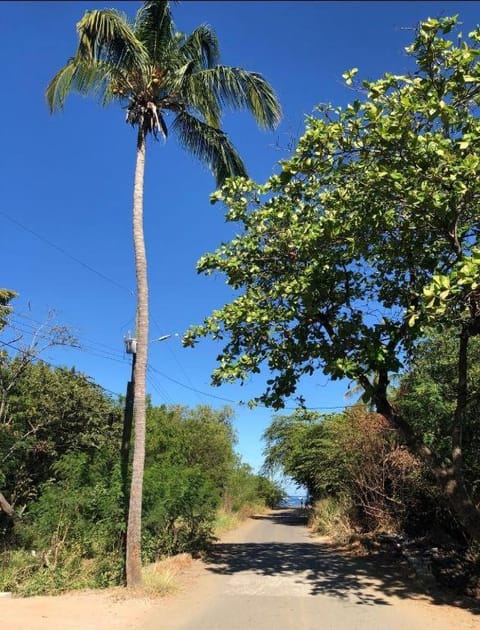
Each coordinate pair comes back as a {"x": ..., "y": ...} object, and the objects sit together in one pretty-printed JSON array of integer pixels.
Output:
[{"x": 151, "y": 69}]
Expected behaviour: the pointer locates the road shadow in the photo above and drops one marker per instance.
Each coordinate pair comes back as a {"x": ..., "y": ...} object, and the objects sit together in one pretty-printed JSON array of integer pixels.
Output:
[{"x": 326, "y": 571}]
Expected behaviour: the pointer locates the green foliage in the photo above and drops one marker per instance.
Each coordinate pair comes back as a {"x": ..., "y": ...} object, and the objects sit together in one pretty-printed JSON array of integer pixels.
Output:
[
  {"x": 5, "y": 296},
  {"x": 269, "y": 491},
  {"x": 305, "y": 447},
  {"x": 366, "y": 237},
  {"x": 241, "y": 488},
  {"x": 82, "y": 506},
  {"x": 191, "y": 469},
  {"x": 60, "y": 453},
  {"x": 49, "y": 413},
  {"x": 71, "y": 536},
  {"x": 179, "y": 506},
  {"x": 355, "y": 469}
]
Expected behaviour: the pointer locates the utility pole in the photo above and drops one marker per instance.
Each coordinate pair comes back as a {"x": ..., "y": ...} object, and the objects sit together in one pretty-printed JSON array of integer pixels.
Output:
[{"x": 130, "y": 348}]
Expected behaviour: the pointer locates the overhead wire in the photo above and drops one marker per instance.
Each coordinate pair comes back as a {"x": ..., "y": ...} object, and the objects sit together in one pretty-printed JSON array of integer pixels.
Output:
[
  {"x": 34, "y": 358},
  {"x": 164, "y": 393},
  {"x": 92, "y": 344},
  {"x": 112, "y": 354},
  {"x": 107, "y": 354},
  {"x": 66, "y": 253},
  {"x": 158, "y": 387},
  {"x": 169, "y": 348}
]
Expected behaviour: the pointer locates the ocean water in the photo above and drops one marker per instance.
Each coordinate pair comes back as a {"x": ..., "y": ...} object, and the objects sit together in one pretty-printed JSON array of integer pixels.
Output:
[{"x": 293, "y": 500}]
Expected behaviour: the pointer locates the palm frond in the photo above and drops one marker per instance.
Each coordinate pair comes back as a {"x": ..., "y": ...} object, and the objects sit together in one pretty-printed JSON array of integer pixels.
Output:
[
  {"x": 210, "y": 145},
  {"x": 241, "y": 89},
  {"x": 203, "y": 101},
  {"x": 202, "y": 47},
  {"x": 84, "y": 77},
  {"x": 60, "y": 86},
  {"x": 154, "y": 28},
  {"x": 162, "y": 125},
  {"x": 108, "y": 37}
]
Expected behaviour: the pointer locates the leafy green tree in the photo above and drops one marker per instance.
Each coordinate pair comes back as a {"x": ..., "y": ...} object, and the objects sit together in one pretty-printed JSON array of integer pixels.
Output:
[
  {"x": 75, "y": 525},
  {"x": 200, "y": 437},
  {"x": 355, "y": 461},
  {"x": 366, "y": 236},
  {"x": 271, "y": 492},
  {"x": 179, "y": 509},
  {"x": 208, "y": 440},
  {"x": 241, "y": 487},
  {"x": 50, "y": 412},
  {"x": 300, "y": 446},
  {"x": 5, "y": 296},
  {"x": 152, "y": 69},
  {"x": 189, "y": 457}
]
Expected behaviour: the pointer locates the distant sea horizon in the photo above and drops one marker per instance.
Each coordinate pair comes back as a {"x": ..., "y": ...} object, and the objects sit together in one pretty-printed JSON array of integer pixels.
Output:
[{"x": 293, "y": 500}]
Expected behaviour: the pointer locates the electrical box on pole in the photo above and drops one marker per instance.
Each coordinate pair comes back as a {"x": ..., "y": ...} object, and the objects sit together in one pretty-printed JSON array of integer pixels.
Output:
[{"x": 130, "y": 345}]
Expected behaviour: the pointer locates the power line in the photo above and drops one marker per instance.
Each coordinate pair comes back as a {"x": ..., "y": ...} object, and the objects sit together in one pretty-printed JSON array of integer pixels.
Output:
[
  {"x": 50, "y": 363},
  {"x": 10, "y": 345},
  {"x": 65, "y": 253},
  {"x": 158, "y": 388},
  {"x": 169, "y": 378},
  {"x": 113, "y": 351},
  {"x": 115, "y": 356},
  {"x": 177, "y": 361}
]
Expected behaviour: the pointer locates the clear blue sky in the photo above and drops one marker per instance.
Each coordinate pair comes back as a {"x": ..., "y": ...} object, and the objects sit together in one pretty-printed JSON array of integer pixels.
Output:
[{"x": 68, "y": 179}]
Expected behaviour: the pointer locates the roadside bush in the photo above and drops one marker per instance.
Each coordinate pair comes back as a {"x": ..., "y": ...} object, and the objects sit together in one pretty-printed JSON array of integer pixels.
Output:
[
  {"x": 179, "y": 511},
  {"x": 242, "y": 489},
  {"x": 26, "y": 574},
  {"x": 71, "y": 536},
  {"x": 332, "y": 516},
  {"x": 83, "y": 506},
  {"x": 269, "y": 491}
]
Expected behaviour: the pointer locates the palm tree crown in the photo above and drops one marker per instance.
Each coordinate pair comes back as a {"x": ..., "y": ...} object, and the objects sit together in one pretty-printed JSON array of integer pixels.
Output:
[{"x": 153, "y": 70}]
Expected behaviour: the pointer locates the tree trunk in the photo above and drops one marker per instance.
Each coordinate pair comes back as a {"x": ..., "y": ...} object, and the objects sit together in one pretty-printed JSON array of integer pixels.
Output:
[
  {"x": 134, "y": 529},
  {"x": 5, "y": 505},
  {"x": 452, "y": 478},
  {"x": 126, "y": 439},
  {"x": 449, "y": 476}
]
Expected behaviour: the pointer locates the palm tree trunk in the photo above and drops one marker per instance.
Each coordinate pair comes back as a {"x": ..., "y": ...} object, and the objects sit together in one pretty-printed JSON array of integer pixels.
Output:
[{"x": 134, "y": 528}]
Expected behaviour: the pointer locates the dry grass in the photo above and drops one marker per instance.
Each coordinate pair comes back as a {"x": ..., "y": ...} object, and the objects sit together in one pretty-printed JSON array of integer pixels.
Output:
[
  {"x": 227, "y": 520},
  {"x": 159, "y": 579},
  {"x": 162, "y": 578},
  {"x": 330, "y": 518}
]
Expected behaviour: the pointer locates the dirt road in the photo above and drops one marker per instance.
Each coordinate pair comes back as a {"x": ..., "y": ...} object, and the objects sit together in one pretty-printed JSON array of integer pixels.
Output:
[{"x": 268, "y": 574}]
